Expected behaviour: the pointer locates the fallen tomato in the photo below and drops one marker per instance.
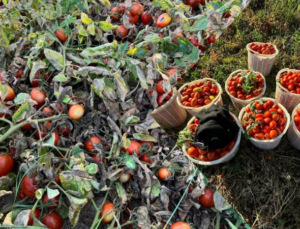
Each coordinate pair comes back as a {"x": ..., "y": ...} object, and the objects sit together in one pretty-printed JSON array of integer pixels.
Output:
[
  {"x": 89, "y": 144},
  {"x": 164, "y": 174},
  {"x": 116, "y": 13},
  {"x": 60, "y": 34},
  {"x": 146, "y": 18},
  {"x": 180, "y": 225},
  {"x": 121, "y": 32},
  {"x": 48, "y": 111},
  {"x": 134, "y": 147},
  {"x": 37, "y": 214},
  {"x": 10, "y": 93},
  {"x": 207, "y": 199},
  {"x": 76, "y": 112},
  {"x": 193, "y": 3},
  {"x": 145, "y": 158},
  {"x": 54, "y": 201},
  {"x": 6, "y": 164},
  {"x": 53, "y": 220},
  {"x": 136, "y": 9},
  {"x": 107, "y": 213},
  {"x": 29, "y": 186},
  {"x": 134, "y": 19},
  {"x": 124, "y": 177},
  {"x": 163, "y": 20},
  {"x": 20, "y": 73},
  {"x": 38, "y": 95}
]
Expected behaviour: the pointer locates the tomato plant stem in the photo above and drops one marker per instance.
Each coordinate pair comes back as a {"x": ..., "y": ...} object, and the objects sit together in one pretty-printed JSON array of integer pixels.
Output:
[
  {"x": 181, "y": 199},
  {"x": 15, "y": 128},
  {"x": 12, "y": 206}
]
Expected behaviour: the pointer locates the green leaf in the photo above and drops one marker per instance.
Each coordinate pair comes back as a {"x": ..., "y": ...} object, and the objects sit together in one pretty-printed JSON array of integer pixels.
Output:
[
  {"x": 20, "y": 114},
  {"x": 121, "y": 192},
  {"x": 129, "y": 162},
  {"x": 144, "y": 137},
  {"x": 98, "y": 86},
  {"x": 91, "y": 29},
  {"x": 156, "y": 189},
  {"x": 153, "y": 38},
  {"x": 60, "y": 78},
  {"x": 22, "y": 98},
  {"x": 85, "y": 19},
  {"x": 52, "y": 193},
  {"x": 55, "y": 58},
  {"x": 231, "y": 224},
  {"x": 164, "y": 4},
  {"x": 126, "y": 142},
  {"x": 132, "y": 119},
  {"x": 199, "y": 25},
  {"x": 97, "y": 51},
  {"x": 39, "y": 193},
  {"x": 50, "y": 141},
  {"x": 137, "y": 72},
  {"x": 77, "y": 150},
  {"x": 82, "y": 31},
  {"x": 91, "y": 169},
  {"x": 106, "y": 26}
]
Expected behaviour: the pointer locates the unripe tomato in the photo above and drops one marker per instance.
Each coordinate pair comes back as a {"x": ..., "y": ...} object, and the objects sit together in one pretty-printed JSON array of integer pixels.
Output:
[
  {"x": 134, "y": 19},
  {"x": 89, "y": 144},
  {"x": 124, "y": 177},
  {"x": 48, "y": 111},
  {"x": 180, "y": 225},
  {"x": 20, "y": 73},
  {"x": 211, "y": 39},
  {"x": 76, "y": 112},
  {"x": 6, "y": 164},
  {"x": 133, "y": 147},
  {"x": 146, "y": 18},
  {"x": 159, "y": 87},
  {"x": 60, "y": 34},
  {"x": 54, "y": 201},
  {"x": 37, "y": 214},
  {"x": 193, "y": 3},
  {"x": 207, "y": 199},
  {"x": 116, "y": 13},
  {"x": 145, "y": 158},
  {"x": 164, "y": 174},
  {"x": 37, "y": 95},
  {"x": 163, "y": 20},
  {"x": 10, "y": 93},
  {"x": 107, "y": 212},
  {"x": 121, "y": 32},
  {"x": 29, "y": 186},
  {"x": 53, "y": 220},
  {"x": 136, "y": 9}
]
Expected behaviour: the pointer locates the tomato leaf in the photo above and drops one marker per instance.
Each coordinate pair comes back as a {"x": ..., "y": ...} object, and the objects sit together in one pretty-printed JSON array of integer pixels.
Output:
[
  {"x": 121, "y": 192},
  {"x": 39, "y": 193},
  {"x": 129, "y": 161},
  {"x": 52, "y": 193},
  {"x": 22, "y": 98},
  {"x": 20, "y": 114},
  {"x": 144, "y": 137},
  {"x": 231, "y": 224},
  {"x": 55, "y": 58},
  {"x": 125, "y": 141},
  {"x": 164, "y": 4},
  {"x": 85, "y": 19},
  {"x": 60, "y": 78},
  {"x": 122, "y": 87},
  {"x": 132, "y": 119},
  {"x": 199, "y": 24},
  {"x": 76, "y": 151},
  {"x": 106, "y": 26},
  {"x": 76, "y": 204},
  {"x": 37, "y": 65}
]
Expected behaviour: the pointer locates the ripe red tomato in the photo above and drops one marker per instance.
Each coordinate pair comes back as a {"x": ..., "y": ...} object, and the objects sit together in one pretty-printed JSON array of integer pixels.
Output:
[
  {"x": 89, "y": 144},
  {"x": 124, "y": 177},
  {"x": 37, "y": 95},
  {"x": 29, "y": 186},
  {"x": 211, "y": 39},
  {"x": 121, "y": 32},
  {"x": 163, "y": 20},
  {"x": 64, "y": 130},
  {"x": 48, "y": 111},
  {"x": 180, "y": 225},
  {"x": 56, "y": 138},
  {"x": 133, "y": 147},
  {"x": 76, "y": 112},
  {"x": 134, "y": 19},
  {"x": 265, "y": 49},
  {"x": 159, "y": 87},
  {"x": 10, "y": 93},
  {"x": 164, "y": 174},
  {"x": 146, "y": 18},
  {"x": 194, "y": 40},
  {"x": 21, "y": 194},
  {"x": 122, "y": 8},
  {"x": 37, "y": 214},
  {"x": 150, "y": 144},
  {"x": 160, "y": 100},
  {"x": 145, "y": 158},
  {"x": 97, "y": 158},
  {"x": 207, "y": 199},
  {"x": 54, "y": 201},
  {"x": 136, "y": 9},
  {"x": 107, "y": 212},
  {"x": 193, "y": 3},
  {"x": 53, "y": 220},
  {"x": 116, "y": 13},
  {"x": 60, "y": 34},
  {"x": 20, "y": 73},
  {"x": 6, "y": 164},
  {"x": 202, "y": 2}
]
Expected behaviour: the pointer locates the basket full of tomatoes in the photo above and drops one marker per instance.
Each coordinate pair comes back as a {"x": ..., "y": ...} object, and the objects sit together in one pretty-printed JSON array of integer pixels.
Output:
[
  {"x": 261, "y": 57},
  {"x": 265, "y": 121},
  {"x": 294, "y": 129},
  {"x": 288, "y": 88},
  {"x": 199, "y": 94},
  {"x": 169, "y": 113},
  {"x": 212, "y": 157},
  {"x": 244, "y": 86}
]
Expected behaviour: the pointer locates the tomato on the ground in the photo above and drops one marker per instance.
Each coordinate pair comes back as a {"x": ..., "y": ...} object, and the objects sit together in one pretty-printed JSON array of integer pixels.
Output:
[
  {"x": 6, "y": 164},
  {"x": 53, "y": 220},
  {"x": 207, "y": 199}
]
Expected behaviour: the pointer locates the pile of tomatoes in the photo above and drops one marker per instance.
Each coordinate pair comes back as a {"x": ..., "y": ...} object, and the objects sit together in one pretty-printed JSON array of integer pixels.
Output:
[
  {"x": 246, "y": 85},
  {"x": 291, "y": 81},
  {"x": 266, "y": 49},
  {"x": 212, "y": 155},
  {"x": 297, "y": 119},
  {"x": 264, "y": 120},
  {"x": 199, "y": 94}
]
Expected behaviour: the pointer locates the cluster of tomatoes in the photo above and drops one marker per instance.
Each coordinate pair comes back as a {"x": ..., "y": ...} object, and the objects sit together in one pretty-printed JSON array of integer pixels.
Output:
[
  {"x": 264, "y": 120},
  {"x": 297, "y": 119},
  {"x": 202, "y": 155},
  {"x": 266, "y": 49},
  {"x": 246, "y": 85},
  {"x": 291, "y": 81},
  {"x": 199, "y": 94}
]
